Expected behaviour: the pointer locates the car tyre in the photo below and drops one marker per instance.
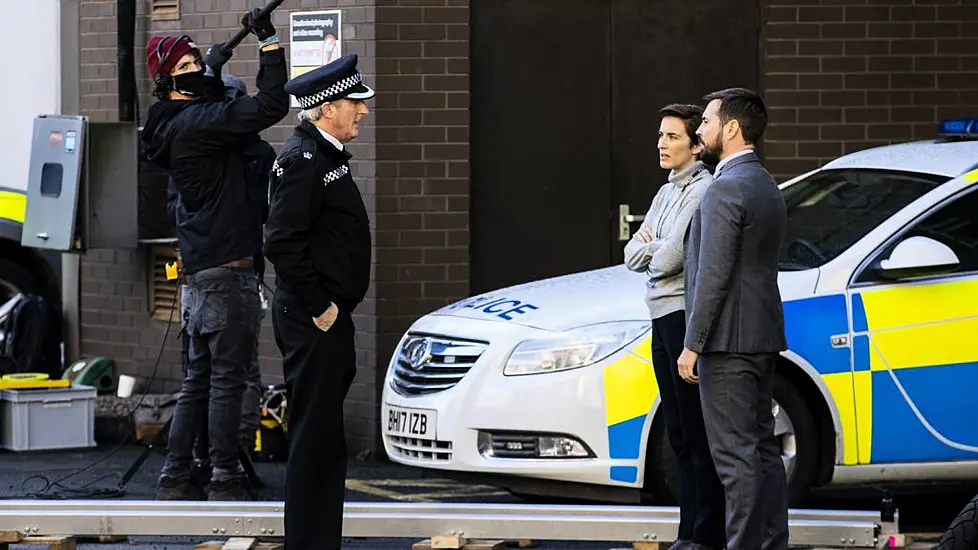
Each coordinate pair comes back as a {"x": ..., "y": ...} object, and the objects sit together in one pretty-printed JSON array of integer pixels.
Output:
[
  {"x": 798, "y": 436},
  {"x": 962, "y": 534},
  {"x": 14, "y": 278}
]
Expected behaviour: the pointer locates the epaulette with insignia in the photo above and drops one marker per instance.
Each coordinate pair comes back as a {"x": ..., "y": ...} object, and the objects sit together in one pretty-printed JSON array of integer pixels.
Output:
[
  {"x": 336, "y": 174},
  {"x": 308, "y": 148}
]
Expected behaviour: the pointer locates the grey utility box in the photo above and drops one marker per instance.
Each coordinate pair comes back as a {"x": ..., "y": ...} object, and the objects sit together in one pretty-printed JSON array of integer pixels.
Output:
[
  {"x": 47, "y": 419},
  {"x": 82, "y": 188}
]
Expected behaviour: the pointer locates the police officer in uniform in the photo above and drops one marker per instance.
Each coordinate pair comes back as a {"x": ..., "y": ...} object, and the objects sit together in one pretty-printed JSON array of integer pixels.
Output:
[{"x": 318, "y": 239}]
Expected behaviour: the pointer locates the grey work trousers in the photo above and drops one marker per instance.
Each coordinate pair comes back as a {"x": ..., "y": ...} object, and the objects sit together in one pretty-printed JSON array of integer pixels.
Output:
[
  {"x": 223, "y": 325},
  {"x": 250, "y": 400}
]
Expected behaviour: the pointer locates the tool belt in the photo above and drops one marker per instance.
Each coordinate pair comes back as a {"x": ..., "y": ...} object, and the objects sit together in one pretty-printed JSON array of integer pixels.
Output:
[{"x": 239, "y": 263}]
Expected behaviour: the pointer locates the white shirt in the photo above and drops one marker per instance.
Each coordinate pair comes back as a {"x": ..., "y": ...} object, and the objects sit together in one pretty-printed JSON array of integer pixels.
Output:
[
  {"x": 330, "y": 138},
  {"x": 723, "y": 162}
]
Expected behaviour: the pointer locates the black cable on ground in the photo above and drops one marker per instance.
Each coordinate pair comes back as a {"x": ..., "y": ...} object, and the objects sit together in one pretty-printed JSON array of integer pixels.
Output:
[{"x": 55, "y": 489}]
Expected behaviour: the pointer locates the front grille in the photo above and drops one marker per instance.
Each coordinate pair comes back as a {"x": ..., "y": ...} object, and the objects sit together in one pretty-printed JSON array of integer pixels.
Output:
[
  {"x": 429, "y": 364},
  {"x": 420, "y": 448}
]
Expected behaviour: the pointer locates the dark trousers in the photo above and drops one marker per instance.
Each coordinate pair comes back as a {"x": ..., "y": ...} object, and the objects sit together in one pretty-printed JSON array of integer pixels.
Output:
[
  {"x": 701, "y": 498},
  {"x": 319, "y": 368},
  {"x": 737, "y": 391},
  {"x": 222, "y": 327},
  {"x": 250, "y": 400}
]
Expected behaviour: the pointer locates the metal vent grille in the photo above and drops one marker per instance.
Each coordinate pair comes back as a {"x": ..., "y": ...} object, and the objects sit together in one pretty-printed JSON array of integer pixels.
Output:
[
  {"x": 166, "y": 10},
  {"x": 161, "y": 291}
]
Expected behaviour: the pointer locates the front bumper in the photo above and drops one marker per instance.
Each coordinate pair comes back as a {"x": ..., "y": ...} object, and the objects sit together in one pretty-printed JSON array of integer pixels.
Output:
[{"x": 585, "y": 404}]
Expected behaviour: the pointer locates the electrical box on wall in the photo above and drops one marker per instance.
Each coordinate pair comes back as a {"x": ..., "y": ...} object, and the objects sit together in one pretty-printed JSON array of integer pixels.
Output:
[{"x": 82, "y": 190}]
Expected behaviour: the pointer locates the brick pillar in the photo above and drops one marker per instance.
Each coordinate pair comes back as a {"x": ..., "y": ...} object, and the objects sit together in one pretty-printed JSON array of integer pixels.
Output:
[
  {"x": 847, "y": 76},
  {"x": 422, "y": 192}
]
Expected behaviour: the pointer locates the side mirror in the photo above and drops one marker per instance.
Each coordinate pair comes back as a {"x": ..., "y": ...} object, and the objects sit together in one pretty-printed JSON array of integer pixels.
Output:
[{"x": 916, "y": 257}]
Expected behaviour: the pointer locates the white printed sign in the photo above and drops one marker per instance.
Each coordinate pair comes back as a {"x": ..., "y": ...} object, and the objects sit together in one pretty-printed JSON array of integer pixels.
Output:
[{"x": 315, "y": 40}]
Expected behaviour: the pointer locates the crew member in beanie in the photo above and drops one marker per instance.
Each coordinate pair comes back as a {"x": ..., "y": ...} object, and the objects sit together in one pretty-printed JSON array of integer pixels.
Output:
[
  {"x": 260, "y": 155},
  {"x": 198, "y": 137},
  {"x": 318, "y": 239}
]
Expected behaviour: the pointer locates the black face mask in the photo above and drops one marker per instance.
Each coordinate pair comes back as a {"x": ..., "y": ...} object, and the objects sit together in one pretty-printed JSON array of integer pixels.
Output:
[{"x": 197, "y": 84}]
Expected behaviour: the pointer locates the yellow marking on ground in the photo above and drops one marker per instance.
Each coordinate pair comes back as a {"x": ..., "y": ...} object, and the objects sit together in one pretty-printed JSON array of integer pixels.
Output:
[{"x": 464, "y": 491}]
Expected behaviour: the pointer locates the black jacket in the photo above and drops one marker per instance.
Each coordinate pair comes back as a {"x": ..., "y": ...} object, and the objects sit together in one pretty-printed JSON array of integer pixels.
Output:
[
  {"x": 201, "y": 144},
  {"x": 259, "y": 156},
  {"x": 318, "y": 234}
]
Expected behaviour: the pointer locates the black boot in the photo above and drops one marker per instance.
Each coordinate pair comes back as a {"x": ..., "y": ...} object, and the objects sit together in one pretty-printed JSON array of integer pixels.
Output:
[
  {"x": 235, "y": 487},
  {"x": 180, "y": 488}
]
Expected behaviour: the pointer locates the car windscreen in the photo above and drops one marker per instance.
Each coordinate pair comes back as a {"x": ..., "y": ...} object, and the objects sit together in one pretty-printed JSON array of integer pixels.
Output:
[{"x": 830, "y": 210}]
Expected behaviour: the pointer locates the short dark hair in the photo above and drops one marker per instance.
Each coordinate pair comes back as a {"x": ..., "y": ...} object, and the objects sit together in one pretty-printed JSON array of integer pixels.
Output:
[
  {"x": 746, "y": 107},
  {"x": 691, "y": 115}
]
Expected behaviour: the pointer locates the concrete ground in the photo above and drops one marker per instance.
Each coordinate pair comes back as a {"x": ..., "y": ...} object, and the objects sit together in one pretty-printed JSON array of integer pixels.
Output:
[{"x": 23, "y": 474}]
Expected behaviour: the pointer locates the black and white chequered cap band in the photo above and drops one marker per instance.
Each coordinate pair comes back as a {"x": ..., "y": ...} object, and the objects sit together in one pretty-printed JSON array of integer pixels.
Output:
[{"x": 338, "y": 87}]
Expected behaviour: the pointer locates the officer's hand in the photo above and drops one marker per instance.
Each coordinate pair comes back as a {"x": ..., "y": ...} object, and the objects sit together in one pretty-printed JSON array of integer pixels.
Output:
[
  {"x": 215, "y": 58},
  {"x": 326, "y": 320},
  {"x": 261, "y": 28}
]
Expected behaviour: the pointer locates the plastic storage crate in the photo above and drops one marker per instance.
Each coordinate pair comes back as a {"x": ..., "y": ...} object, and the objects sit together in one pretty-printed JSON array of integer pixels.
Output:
[{"x": 46, "y": 419}]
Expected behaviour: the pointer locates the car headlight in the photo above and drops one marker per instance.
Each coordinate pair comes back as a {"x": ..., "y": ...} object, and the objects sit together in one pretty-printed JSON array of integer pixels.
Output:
[{"x": 572, "y": 349}]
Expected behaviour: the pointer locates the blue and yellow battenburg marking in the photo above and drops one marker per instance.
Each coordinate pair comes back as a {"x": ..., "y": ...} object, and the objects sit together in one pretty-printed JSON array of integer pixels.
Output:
[
  {"x": 914, "y": 345},
  {"x": 810, "y": 324},
  {"x": 630, "y": 390},
  {"x": 918, "y": 338}
]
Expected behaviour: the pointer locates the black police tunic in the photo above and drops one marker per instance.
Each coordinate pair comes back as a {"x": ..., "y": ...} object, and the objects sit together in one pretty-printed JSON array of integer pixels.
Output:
[
  {"x": 318, "y": 239},
  {"x": 318, "y": 233}
]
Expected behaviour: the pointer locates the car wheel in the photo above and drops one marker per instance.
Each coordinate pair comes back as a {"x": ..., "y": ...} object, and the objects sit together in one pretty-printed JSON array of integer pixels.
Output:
[
  {"x": 794, "y": 427},
  {"x": 14, "y": 280},
  {"x": 962, "y": 534}
]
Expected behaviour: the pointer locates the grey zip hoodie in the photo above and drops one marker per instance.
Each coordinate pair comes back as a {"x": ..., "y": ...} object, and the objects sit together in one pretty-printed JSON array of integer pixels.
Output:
[{"x": 667, "y": 219}]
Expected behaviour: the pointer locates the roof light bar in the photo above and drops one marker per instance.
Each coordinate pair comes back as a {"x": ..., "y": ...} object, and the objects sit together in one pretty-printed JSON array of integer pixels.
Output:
[{"x": 958, "y": 127}]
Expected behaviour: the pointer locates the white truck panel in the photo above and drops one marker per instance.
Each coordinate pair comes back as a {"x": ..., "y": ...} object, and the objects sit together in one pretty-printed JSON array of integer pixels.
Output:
[{"x": 32, "y": 73}]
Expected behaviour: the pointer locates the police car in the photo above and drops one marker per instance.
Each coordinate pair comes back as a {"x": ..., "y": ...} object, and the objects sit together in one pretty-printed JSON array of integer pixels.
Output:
[{"x": 879, "y": 280}]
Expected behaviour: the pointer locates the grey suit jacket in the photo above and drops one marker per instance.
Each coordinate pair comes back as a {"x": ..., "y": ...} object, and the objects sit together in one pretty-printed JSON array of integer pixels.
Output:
[{"x": 733, "y": 303}]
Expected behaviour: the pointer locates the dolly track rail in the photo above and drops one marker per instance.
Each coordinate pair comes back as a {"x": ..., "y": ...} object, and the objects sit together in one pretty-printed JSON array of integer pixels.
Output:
[{"x": 825, "y": 528}]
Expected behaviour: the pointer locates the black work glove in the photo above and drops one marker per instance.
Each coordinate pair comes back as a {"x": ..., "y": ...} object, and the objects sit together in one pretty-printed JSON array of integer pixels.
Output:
[
  {"x": 261, "y": 28},
  {"x": 216, "y": 58}
]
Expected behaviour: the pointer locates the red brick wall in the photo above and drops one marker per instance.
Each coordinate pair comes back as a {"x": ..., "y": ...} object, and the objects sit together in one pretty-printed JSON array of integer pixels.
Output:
[{"x": 842, "y": 75}]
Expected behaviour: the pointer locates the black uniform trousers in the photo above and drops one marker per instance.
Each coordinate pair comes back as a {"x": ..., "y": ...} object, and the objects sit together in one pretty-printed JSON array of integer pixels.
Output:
[
  {"x": 319, "y": 368},
  {"x": 701, "y": 498}
]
